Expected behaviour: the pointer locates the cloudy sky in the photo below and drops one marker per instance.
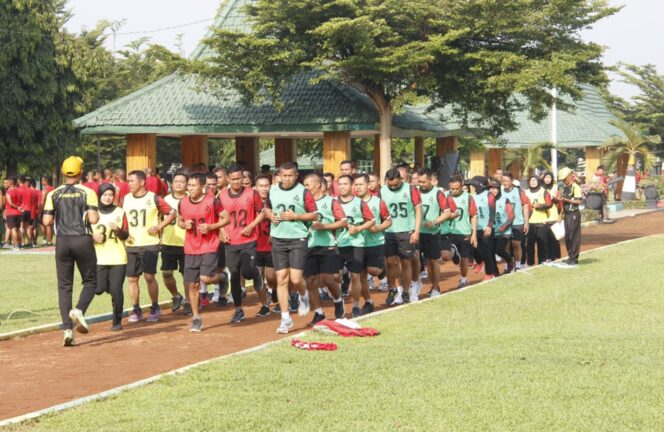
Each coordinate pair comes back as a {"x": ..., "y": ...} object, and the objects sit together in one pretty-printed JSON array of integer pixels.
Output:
[{"x": 632, "y": 36}]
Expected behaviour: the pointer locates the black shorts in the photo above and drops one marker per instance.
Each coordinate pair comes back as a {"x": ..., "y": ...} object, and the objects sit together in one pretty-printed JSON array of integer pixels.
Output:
[
  {"x": 517, "y": 233},
  {"x": 289, "y": 253},
  {"x": 13, "y": 222},
  {"x": 264, "y": 259},
  {"x": 321, "y": 260},
  {"x": 236, "y": 253},
  {"x": 463, "y": 244},
  {"x": 197, "y": 265},
  {"x": 374, "y": 256},
  {"x": 430, "y": 246},
  {"x": 445, "y": 243},
  {"x": 26, "y": 217},
  {"x": 36, "y": 221},
  {"x": 221, "y": 256},
  {"x": 398, "y": 244},
  {"x": 353, "y": 258},
  {"x": 142, "y": 262},
  {"x": 172, "y": 258}
]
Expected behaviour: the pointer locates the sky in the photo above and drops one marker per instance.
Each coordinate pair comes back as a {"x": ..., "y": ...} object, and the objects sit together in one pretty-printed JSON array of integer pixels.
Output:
[{"x": 633, "y": 35}]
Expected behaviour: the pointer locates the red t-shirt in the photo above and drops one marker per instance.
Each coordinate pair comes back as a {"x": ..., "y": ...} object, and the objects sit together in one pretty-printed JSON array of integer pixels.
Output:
[
  {"x": 154, "y": 185},
  {"x": 243, "y": 209},
  {"x": 204, "y": 212},
  {"x": 26, "y": 193},
  {"x": 35, "y": 201},
  {"x": 264, "y": 244},
  {"x": 122, "y": 191},
  {"x": 92, "y": 185},
  {"x": 374, "y": 193},
  {"x": 17, "y": 199}
]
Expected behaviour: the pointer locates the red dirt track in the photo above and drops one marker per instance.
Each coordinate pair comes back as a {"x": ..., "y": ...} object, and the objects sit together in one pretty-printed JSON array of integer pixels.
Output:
[{"x": 37, "y": 372}]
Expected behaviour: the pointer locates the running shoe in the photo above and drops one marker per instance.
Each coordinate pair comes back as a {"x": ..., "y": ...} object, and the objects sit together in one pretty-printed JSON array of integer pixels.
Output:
[
  {"x": 434, "y": 293},
  {"x": 77, "y": 317},
  {"x": 367, "y": 308},
  {"x": 116, "y": 327},
  {"x": 265, "y": 311},
  {"x": 383, "y": 285},
  {"x": 294, "y": 303},
  {"x": 276, "y": 309},
  {"x": 412, "y": 294},
  {"x": 394, "y": 298},
  {"x": 285, "y": 325},
  {"x": 303, "y": 307},
  {"x": 203, "y": 301},
  {"x": 456, "y": 256},
  {"x": 418, "y": 287},
  {"x": 356, "y": 311},
  {"x": 196, "y": 325},
  {"x": 478, "y": 268},
  {"x": 238, "y": 316},
  {"x": 339, "y": 310},
  {"x": 137, "y": 315},
  {"x": 186, "y": 309},
  {"x": 463, "y": 283},
  {"x": 370, "y": 283},
  {"x": 324, "y": 295},
  {"x": 68, "y": 339},
  {"x": 223, "y": 301},
  {"x": 423, "y": 275},
  {"x": 177, "y": 303},
  {"x": 244, "y": 292},
  {"x": 155, "y": 314},
  {"x": 317, "y": 318}
]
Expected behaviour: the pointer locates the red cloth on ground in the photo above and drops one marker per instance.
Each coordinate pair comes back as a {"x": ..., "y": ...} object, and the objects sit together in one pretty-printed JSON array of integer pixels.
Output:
[
  {"x": 313, "y": 346},
  {"x": 344, "y": 331}
]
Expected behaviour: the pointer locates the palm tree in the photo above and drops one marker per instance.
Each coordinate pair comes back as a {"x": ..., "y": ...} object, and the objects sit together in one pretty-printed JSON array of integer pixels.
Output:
[
  {"x": 528, "y": 158},
  {"x": 634, "y": 143}
]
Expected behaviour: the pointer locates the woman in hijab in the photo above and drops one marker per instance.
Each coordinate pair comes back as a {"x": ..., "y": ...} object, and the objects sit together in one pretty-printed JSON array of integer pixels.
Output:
[
  {"x": 486, "y": 208},
  {"x": 502, "y": 224},
  {"x": 541, "y": 202},
  {"x": 109, "y": 234},
  {"x": 552, "y": 245}
]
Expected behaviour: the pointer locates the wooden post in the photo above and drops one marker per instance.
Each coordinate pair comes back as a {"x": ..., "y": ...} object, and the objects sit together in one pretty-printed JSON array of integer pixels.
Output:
[
  {"x": 419, "y": 151},
  {"x": 285, "y": 150},
  {"x": 495, "y": 160},
  {"x": 621, "y": 171},
  {"x": 592, "y": 161},
  {"x": 336, "y": 148},
  {"x": 246, "y": 152},
  {"x": 141, "y": 152},
  {"x": 477, "y": 163},
  {"x": 515, "y": 169},
  {"x": 446, "y": 145},
  {"x": 376, "y": 154},
  {"x": 194, "y": 150}
]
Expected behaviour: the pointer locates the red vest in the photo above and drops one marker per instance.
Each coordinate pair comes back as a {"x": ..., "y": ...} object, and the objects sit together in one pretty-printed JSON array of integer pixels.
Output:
[
  {"x": 243, "y": 209},
  {"x": 205, "y": 212}
]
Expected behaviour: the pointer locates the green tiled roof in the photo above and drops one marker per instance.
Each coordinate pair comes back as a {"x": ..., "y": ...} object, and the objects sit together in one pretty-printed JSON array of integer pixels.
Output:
[{"x": 587, "y": 125}]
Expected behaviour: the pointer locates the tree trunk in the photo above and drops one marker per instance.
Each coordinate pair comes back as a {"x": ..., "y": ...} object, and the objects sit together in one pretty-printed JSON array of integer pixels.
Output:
[
  {"x": 12, "y": 168},
  {"x": 385, "y": 140}
]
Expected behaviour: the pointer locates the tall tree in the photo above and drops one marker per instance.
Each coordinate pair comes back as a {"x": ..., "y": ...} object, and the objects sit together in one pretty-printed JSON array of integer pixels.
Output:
[{"x": 471, "y": 54}]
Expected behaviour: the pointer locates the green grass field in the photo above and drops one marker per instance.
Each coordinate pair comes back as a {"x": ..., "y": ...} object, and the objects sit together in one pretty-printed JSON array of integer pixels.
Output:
[
  {"x": 545, "y": 350},
  {"x": 28, "y": 282}
]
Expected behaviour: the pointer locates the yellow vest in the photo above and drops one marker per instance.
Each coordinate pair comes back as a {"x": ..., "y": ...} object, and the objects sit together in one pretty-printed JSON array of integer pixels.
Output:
[
  {"x": 173, "y": 235},
  {"x": 112, "y": 250},
  {"x": 142, "y": 214},
  {"x": 537, "y": 216},
  {"x": 553, "y": 211}
]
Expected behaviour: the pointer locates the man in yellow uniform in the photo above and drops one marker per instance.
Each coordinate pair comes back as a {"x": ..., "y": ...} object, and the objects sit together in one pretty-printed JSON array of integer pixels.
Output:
[
  {"x": 143, "y": 209},
  {"x": 172, "y": 243},
  {"x": 72, "y": 208}
]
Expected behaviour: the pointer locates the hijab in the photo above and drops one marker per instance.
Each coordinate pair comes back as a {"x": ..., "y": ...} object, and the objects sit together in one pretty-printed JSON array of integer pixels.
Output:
[{"x": 103, "y": 188}]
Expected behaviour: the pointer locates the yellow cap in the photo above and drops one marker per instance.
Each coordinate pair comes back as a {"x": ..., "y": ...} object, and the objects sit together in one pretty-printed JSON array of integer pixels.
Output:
[
  {"x": 72, "y": 166},
  {"x": 564, "y": 173}
]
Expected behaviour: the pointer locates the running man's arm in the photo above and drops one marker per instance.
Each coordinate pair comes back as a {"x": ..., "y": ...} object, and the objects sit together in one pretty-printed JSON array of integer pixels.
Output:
[
  {"x": 445, "y": 212},
  {"x": 91, "y": 206},
  {"x": 472, "y": 212},
  {"x": 510, "y": 217},
  {"x": 385, "y": 217},
  {"x": 369, "y": 220},
  {"x": 310, "y": 209},
  {"x": 166, "y": 210},
  {"x": 260, "y": 215},
  {"x": 122, "y": 232},
  {"x": 417, "y": 204},
  {"x": 525, "y": 206},
  {"x": 340, "y": 220}
]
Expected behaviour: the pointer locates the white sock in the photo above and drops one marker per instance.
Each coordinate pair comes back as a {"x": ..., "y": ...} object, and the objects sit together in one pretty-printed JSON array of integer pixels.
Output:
[
  {"x": 320, "y": 311},
  {"x": 285, "y": 315},
  {"x": 463, "y": 279},
  {"x": 337, "y": 300},
  {"x": 202, "y": 288},
  {"x": 399, "y": 290},
  {"x": 368, "y": 301}
]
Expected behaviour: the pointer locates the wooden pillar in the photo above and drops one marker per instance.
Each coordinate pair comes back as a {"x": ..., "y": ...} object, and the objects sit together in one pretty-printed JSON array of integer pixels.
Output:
[
  {"x": 419, "y": 151},
  {"x": 477, "y": 163},
  {"x": 194, "y": 149},
  {"x": 336, "y": 148},
  {"x": 285, "y": 150},
  {"x": 446, "y": 145},
  {"x": 376, "y": 155},
  {"x": 515, "y": 169},
  {"x": 592, "y": 161},
  {"x": 141, "y": 151},
  {"x": 495, "y": 160},
  {"x": 246, "y": 151}
]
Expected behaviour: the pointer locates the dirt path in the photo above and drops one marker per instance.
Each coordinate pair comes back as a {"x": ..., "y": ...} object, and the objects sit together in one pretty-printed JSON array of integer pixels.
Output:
[{"x": 37, "y": 372}]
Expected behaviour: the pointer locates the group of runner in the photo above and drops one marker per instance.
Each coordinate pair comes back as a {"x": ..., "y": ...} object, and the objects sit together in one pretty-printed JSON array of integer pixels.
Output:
[
  {"x": 22, "y": 205},
  {"x": 300, "y": 240}
]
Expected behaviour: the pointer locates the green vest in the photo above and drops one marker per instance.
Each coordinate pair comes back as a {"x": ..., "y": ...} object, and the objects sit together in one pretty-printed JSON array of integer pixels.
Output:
[
  {"x": 430, "y": 210},
  {"x": 514, "y": 196},
  {"x": 501, "y": 217},
  {"x": 400, "y": 205},
  {"x": 482, "y": 203},
  {"x": 461, "y": 225},
  {"x": 291, "y": 199},
  {"x": 323, "y": 238},
  {"x": 353, "y": 210},
  {"x": 446, "y": 226},
  {"x": 374, "y": 239}
]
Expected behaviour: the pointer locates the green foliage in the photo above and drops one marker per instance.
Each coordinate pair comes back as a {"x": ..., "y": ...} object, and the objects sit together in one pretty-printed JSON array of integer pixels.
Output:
[
  {"x": 530, "y": 158},
  {"x": 635, "y": 143}
]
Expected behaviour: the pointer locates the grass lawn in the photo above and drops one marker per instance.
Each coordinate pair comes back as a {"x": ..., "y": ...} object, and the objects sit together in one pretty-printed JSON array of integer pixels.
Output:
[
  {"x": 29, "y": 282},
  {"x": 544, "y": 350}
]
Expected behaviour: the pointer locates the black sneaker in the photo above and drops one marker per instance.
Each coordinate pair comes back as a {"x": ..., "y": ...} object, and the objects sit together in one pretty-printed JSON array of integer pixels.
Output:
[
  {"x": 456, "y": 256},
  {"x": 317, "y": 318},
  {"x": 276, "y": 309},
  {"x": 238, "y": 316},
  {"x": 405, "y": 297},
  {"x": 324, "y": 296},
  {"x": 294, "y": 303},
  {"x": 367, "y": 308},
  {"x": 265, "y": 311},
  {"x": 339, "y": 310},
  {"x": 391, "y": 296},
  {"x": 177, "y": 303},
  {"x": 356, "y": 311},
  {"x": 196, "y": 325},
  {"x": 186, "y": 309},
  {"x": 116, "y": 327},
  {"x": 223, "y": 301}
]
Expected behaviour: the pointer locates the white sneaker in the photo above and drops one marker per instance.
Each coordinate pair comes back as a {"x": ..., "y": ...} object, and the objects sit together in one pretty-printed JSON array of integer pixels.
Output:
[
  {"x": 370, "y": 283},
  {"x": 398, "y": 299},
  {"x": 435, "y": 293},
  {"x": 68, "y": 339},
  {"x": 77, "y": 317},
  {"x": 423, "y": 275},
  {"x": 383, "y": 285},
  {"x": 418, "y": 286},
  {"x": 303, "y": 308},
  {"x": 412, "y": 294},
  {"x": 285, "y": 325}
]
